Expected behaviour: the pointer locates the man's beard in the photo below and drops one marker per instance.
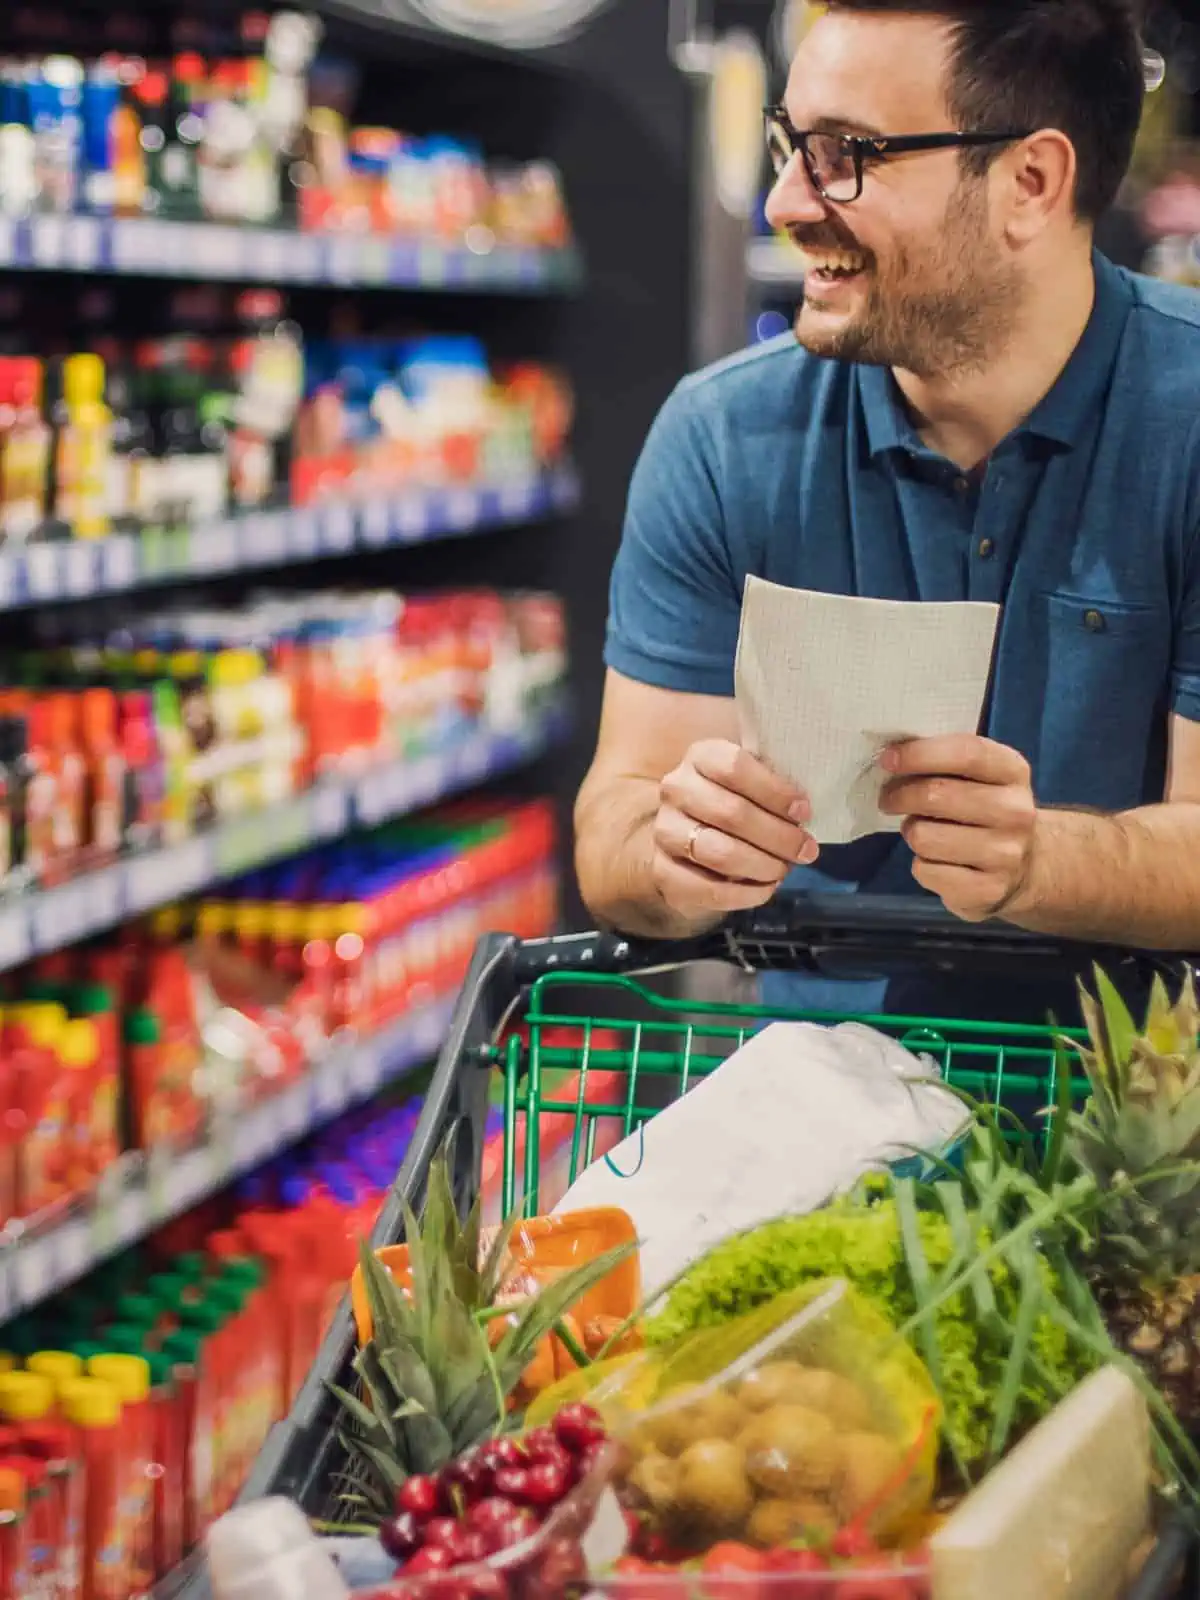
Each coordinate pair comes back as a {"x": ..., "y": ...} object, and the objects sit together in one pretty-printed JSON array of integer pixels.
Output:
[{"x": 965, "y": 309}]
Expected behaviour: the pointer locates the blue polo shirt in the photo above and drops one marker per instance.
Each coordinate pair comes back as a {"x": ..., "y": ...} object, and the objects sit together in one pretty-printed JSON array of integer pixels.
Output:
[{"x": 1084, "y": 527}]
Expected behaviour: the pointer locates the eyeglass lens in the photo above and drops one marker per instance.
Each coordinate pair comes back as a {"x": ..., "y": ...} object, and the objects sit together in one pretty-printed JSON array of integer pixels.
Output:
[{"x": 828, "y": 157}]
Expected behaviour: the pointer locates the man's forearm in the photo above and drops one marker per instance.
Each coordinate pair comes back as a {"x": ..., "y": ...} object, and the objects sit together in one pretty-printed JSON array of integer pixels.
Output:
[
  {"x": 1131, "y": 879},
  {"x": 614, "y": 859}
]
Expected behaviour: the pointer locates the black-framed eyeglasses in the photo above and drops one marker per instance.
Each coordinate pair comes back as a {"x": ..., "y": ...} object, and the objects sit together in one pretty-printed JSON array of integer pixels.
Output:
[{"x": 835, "y": 162}]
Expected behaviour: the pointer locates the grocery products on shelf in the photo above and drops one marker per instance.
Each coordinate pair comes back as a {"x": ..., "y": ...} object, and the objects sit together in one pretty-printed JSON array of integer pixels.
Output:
[
  {"x": 149, "y": 734},
  {"x": 253, "y": 131},
  {"x": 166, "y": 436},
  {"x": 148, "y": 1039}
]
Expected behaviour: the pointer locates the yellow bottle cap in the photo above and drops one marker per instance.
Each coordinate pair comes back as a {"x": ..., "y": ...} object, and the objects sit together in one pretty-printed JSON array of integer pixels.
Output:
[
  {"x": 79, "y": 1045},
  {"x": 287, "y": 923},
  {"x": 350, "y": 918},
  {"x": 90, "y": 1403},
  {"x": 251, "y": 919},
  {"x": 213, "y": 919},
  {"x": 128, "y": 1375},
  {"x": 26, "y": 1397},
  {"x": 83, "y": 380},
  {"x": 316, "y": 922},
  {"x": 59, "y": 1366}
]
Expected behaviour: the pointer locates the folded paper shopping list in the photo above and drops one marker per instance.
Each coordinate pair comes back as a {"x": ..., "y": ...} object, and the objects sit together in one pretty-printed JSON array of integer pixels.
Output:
[{"x": 825, "y": 682}]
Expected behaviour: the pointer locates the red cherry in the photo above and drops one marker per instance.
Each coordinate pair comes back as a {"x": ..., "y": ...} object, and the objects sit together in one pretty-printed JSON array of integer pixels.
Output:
[
  {"x": 420, "y": 1495},
  {"x": 499, "y": 1453},
  {"x": 578, "y": 1426},
  {"x": 538, "y": 1441},
  {"x": 430, "y": 1558},
  {"x": 487, "y": 1584},
  {"x": 547, "y": 1483},
  {"x": 470, "y": 1475},
  {"x": 468, "y": 1546},
  {"x": 441, "y": 1531},
  {"x": 502, "y": 1523},
  {"x": 509, "y": 1482},
  {"x": 561, "y": 1565},
  {"x": 401, "y": 1536}
]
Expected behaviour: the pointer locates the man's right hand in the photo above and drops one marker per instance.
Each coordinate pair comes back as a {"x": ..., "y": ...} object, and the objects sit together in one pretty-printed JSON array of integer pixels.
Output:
[{"x": 727, "y": 833}]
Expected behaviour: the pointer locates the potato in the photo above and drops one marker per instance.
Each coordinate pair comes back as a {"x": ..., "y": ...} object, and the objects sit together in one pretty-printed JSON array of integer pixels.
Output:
[
  {"x": 675, "y": 1429},
  {"x": 772, "y": 1384},
  {"x": 714, "y": 1416},
  {"x": 778, "y": 1522},
  {"x": 836, "y": 1397},
  {"x": 654, "y": 1479},
  {"x": 870, "y": 1464},
  {"x": 711, "y": 1483},
  {"x": 790, "y": 1450}
]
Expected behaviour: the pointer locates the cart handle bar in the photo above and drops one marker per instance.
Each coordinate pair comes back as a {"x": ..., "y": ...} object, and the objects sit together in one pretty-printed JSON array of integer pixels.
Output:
[{"x": 814, "y": 932}]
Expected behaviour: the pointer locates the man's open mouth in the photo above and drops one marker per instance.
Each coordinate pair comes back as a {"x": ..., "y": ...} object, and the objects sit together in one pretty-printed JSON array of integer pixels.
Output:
[{"x": 833, "y": 266}]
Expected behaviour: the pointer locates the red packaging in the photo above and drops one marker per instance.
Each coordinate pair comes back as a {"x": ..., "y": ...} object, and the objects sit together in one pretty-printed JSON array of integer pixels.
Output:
[
  {"x": 51, "y": 1443},
  {"x": 41, "y": 1520},
  {"x": 130, "y": 1377},
  {"x": 94, "y": 1410},
  {"x": 169, "y": 1451},
  {"x": 14, "y": 1537}
]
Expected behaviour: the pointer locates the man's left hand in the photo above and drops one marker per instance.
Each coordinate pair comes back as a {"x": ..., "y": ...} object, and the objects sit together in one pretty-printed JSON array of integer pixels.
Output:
[{"x": 969, "y": 819}]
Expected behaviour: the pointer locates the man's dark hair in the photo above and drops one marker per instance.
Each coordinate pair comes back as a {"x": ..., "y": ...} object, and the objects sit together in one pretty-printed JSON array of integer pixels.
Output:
[{"x": 1074, "y": 65}]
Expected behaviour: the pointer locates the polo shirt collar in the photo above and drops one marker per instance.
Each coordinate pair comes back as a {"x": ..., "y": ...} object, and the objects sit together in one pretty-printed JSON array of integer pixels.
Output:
[{"x": 1059, "y": 417}]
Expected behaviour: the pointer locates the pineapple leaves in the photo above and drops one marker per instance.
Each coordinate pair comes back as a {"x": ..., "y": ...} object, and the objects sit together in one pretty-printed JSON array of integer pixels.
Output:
[{"x": 537, "y": 1317}]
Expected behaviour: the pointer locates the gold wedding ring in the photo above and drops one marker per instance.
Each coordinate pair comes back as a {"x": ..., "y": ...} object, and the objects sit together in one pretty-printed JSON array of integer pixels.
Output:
[{"x": 697, "y": 829}]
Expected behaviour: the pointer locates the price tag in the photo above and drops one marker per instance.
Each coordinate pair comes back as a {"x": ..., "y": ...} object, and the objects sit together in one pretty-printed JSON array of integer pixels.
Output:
[
  {"x": 8, "y": 1288},
  {"x": 41, "y": 570},
  {"x": 267, "y": 537},
  {"x": 329, "y": 1090},
  {"x": 270, "y": 255},
  {"x": 404, "y": 267},
  {"x": 14, "y": 938},
  {"x": 105, "y": 1225},
  {"x": 431, "y": 265},
  {"x": 372, "y": 802},
  {"x": 330, "y": 809},
  {"x": 294, "y": 1115},
  {"x": 304, "y": 534},
  {"x": 516, "y": 500},
  {"x": 344, "y": 253},
  {"x": 364, "y": 1072},
  {"x": 428, "y": 781},
  {"x": 373, "y": 261},
  {"x": 222, "y": 1144},
  {"x": 412, "y": 515},
  {"x": 462, "y": 509},
  {"x": 8, "y": 242},
  {"x": 118, "y": 563},
  {"x": 49, "y": 241},
  {"x": 81, "y": 568},
  {"x": 32, "y": 1271},
  {"x": 337, "y": 520},
  {"x": 126, "y": 245},
  {"x": 159, "y": 1162},
  {"x": 214, "y": 547},
  {"x": 376, "y": 522},
  {"x": 82, "y": 243},
  {"x": 102, "y": 897},
  {"x": 57, "y": 918},
  {"x": 306, "y": 256}
]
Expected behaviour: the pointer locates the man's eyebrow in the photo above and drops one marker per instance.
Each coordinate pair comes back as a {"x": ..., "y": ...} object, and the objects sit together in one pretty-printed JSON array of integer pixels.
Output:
[{"x": 848, "y": 125}]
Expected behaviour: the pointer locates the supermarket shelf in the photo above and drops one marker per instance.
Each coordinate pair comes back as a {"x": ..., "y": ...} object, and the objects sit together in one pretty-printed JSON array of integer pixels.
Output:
[
  {"x": 774, "y": 264},
  {"x": 143, "y": 1194},
  {"x": 44, "y": 921},
  {"x": 142, "y": 247},
  {"x": 81, "y": 569}
]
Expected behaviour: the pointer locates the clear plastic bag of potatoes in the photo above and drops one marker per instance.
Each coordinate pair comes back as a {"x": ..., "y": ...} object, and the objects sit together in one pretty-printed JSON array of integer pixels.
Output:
[{"x": 806, "y": 1418}]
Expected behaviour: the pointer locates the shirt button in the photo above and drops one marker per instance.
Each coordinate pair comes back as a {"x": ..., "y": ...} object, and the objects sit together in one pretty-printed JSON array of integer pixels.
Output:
[
  {"x": 1094, "y": 621},
  {"x": 961, "y": 485},
  {"x": 987, "y": 549}
]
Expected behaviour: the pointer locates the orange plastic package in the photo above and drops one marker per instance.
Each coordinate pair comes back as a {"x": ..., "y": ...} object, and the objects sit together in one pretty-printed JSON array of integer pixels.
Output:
[{"x": 539, "y": 1250}]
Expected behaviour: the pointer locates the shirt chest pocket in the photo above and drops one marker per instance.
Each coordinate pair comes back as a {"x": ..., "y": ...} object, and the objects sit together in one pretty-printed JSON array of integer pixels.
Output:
[{"x": 1094, "y": 717}]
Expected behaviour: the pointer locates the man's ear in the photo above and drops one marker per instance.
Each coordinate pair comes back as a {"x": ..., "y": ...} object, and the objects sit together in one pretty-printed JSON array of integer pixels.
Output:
[{"x": 1039, "y": 184}]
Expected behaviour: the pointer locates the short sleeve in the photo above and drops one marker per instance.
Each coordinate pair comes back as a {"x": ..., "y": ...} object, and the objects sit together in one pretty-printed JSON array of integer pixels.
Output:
[
  {"x": 674, "y": 603},
  {"x": 1185, "y": 665}
]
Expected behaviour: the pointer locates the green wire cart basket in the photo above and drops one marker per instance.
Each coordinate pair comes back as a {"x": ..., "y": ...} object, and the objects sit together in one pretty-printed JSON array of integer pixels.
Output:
[{"x": 554, "y": 1018}]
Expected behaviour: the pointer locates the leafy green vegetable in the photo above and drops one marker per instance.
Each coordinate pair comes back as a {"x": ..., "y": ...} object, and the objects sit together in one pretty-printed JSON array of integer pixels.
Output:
[{"x": 861, "y": 1239}]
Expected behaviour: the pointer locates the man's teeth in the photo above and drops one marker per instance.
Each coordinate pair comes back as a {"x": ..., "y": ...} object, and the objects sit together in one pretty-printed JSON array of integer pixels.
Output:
[{"x": 835, "y": 263}]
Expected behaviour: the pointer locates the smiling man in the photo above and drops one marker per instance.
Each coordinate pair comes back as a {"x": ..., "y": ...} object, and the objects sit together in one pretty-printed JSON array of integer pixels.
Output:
[{"x": 975, "y": 405}]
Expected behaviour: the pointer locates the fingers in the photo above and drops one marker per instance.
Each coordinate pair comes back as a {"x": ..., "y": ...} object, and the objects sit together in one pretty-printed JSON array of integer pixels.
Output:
[
  {"x": 980, "y": 805},
  {"x": 972, "y": 896},
  {"x": 688, "y": 839},
  {"x": 735, "y": 769},
  {"x": 695, "y": 796},
  {"x": 957, "y": 755},
  {"x": 693, "y": 892},
  {"x": 947, "y": 844}
]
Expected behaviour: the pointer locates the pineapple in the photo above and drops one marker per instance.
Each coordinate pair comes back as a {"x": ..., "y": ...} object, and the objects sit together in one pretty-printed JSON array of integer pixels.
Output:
[
  {"x": 434, "y": 1383},
  {"x": 1143, "y": 1122}
]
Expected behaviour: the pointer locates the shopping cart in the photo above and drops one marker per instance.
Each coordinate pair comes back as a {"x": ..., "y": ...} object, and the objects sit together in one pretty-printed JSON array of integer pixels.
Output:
[{"x": 554, "y": 1016}]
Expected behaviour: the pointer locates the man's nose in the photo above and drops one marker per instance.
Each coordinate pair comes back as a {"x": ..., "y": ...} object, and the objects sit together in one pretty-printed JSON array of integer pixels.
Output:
[{"x": 794, "y": 198}]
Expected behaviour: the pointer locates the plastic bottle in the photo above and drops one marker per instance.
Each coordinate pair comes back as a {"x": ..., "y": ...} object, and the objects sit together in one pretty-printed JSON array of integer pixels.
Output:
[
  {"x": 129, "y": 1375},
  {"x": 40, "y": 1512},
  {"x": 94, "y": 1410},
  {"x": 79, "y": 1053},
  {"x": 88, "y": 424},
  {"x": 185, "y": 1353},
  {"x": 52, "y": 1444},
  {"x": 44, "y": 1090},
  {"x": 145, "y": 774},
  {"x": 24, "y": 455},
  {"x": 38, "y": 793},
  {"x": 95, "y": 1004},
  {"x": 15, "y": 1575},
  {"x": 105, "y": 789},
  {"x": 66, "y": 761}
]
